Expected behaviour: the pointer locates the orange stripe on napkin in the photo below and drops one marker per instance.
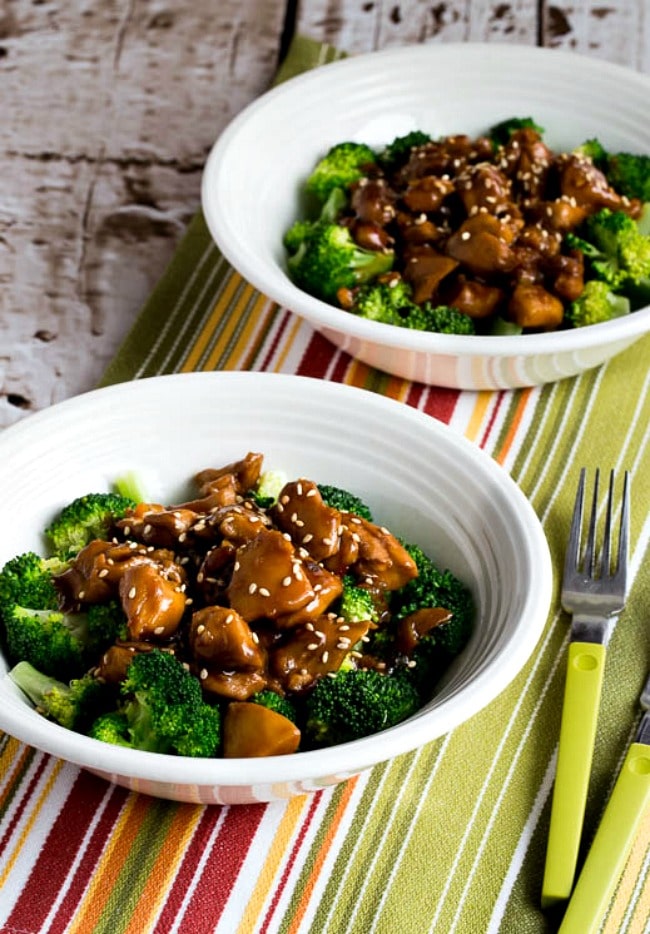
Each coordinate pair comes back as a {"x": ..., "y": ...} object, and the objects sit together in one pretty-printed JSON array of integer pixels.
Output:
[
  {"x": 111, "y": 865},
  {"x": 155, "y": 891},
  {"x": 321, "y": 856},
  {"x": 268, "y": 872},
  {"x": 201, "y": 341},
  {"x": 477, "y": 417}
]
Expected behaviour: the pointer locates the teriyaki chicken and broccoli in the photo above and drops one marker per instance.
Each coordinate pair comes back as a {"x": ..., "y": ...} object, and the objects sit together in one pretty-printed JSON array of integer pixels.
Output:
[
  {"x": 262, "y": 617},
  {"x": 496, "y": 234}
]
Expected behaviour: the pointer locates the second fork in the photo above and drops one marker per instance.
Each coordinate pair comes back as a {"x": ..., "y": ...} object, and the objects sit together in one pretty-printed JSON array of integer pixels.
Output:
[{"x": 594, "y": 593}]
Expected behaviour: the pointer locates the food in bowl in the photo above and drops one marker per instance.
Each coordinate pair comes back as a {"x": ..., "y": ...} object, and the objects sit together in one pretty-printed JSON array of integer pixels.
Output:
[
  {"x": 259, "y": 618},
  {"x": 494, "y": 234}
]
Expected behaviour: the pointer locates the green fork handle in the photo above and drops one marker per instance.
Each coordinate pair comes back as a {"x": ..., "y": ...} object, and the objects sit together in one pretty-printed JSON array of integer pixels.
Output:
[
  {"x": 612, "y": 844},
  {"x": 584, "y": 680}
]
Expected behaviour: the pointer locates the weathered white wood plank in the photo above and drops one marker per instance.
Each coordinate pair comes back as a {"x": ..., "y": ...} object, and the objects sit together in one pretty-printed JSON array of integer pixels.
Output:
[{"x": 108, "y": 112}]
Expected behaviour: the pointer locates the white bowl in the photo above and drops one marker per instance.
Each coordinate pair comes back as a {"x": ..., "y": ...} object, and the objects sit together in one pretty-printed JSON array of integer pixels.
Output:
[
  {"x": 423, "y": 481},
  {"x": 254, "y": 175}
]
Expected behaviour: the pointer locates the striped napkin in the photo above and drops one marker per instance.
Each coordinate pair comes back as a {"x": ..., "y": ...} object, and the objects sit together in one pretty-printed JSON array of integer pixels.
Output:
[{"x": 450, "y": 838}]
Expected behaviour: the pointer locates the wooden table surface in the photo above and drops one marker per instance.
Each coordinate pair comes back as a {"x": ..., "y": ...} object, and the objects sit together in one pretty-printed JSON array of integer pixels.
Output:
[{"x": 109, "y": 108}]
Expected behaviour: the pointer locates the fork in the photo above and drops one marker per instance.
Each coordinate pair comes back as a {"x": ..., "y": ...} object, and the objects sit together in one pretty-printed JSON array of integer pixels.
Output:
[{"x": 593, "y": 592}]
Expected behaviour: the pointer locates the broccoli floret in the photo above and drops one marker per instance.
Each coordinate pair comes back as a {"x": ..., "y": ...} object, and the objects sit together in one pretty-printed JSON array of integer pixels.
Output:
[
  {"x": 596, "y": 303},
  {"x": 629, "y": 174},
  {"x": 112, "y": 727},
  {"x": 277, "y": 703},
  {"x": 84, "y": 519},
  {"x": 501, "y": 132},
  {"x": 74, "y": 705},
  {"x": 329, "y": 259},
  {"x": 35, "y": 629},
  {"x": 441, "y": 319},
  {"x": 388, "y": 301},
  {"x": 397, "y": 153},
  {"x": 164, "y": 707},
  {"x": 357, "y": 703},
  {"x": 434, "y": 587},
  {"x": 329, "y": 214},
  {"x": 340, "y": 167},
  {"x": 623, "y": 257},
  {"x": 338, "y": 498},
  {"x": 357, "y": 603}
]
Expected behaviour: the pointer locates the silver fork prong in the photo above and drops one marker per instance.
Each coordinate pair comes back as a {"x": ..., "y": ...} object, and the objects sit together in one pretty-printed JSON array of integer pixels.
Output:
[
  {"x": 590, "y": 547},
  {"x": 624, "y": 535},
  {"x": 572, "y": 557},
  {"x": 606, "y": 560}
]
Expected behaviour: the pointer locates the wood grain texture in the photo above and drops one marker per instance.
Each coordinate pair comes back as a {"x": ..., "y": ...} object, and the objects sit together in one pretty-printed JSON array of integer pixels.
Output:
[{"x": 109, "y": 109}]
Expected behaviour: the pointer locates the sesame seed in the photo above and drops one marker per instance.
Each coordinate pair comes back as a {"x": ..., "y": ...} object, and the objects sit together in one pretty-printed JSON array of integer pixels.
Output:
[
  {"x": 465, "y": 235},
  {"x": 158, "y": 631},
  {"x": 229, "y": 618},
  {"x": 324, "y": 657},
  {"x": 203, "y": 674},
  {"x": 132, "y": 593},
  {"x": 307, "y": 538},
  {"x": 299, "y": 488},
  {"x": 255, "y": 638},
  {"x": 286, "y": 581},
  {"x": 103, "y": 572},
  {"x": 200, "y": 628},
  {"x": 252, "y": 588},
  {"x": 147, "y": 529},
  {"x": 312, "y": 646},
  {"x": 264, "y": 592}
]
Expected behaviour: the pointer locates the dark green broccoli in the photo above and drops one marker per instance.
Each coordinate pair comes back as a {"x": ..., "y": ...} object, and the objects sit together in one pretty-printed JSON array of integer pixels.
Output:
[
  {"x": 397, "y": 153},
  {"x": 344, "y": 164},
  {"x": 388, "y": 301},
  {"x": 329, "y": 214},
  {"x": 111, "y": 727},
  {"x": 356, "y": 703},
  {"x": 434, "y": 587},
  {"x": 620, "y": 253},
  {"x": 277, "y": 703},
  {"x": 596, "y": 303},
  {"x": 84, "y": 519},
  {"x": 75, "y": 705},
  {"x": 357, "y": 603},
  {"x": 441, "y": 319},
  {"x": 328, "y": 259},
  {"x": 629, "y": 174},
  {"x": 35, "y": 629},
  {"x": 593, "y": 149},
  {"x": 338, "y": 498},
  {"x": 56, "y": 642},
  {"x": 164, "y": 709},
  {"x": 501, "y": 132}
]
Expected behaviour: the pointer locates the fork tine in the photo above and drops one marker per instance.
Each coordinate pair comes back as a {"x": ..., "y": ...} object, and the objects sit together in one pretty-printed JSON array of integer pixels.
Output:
[
  {"x": 624, "y": 534},
  {"x": 605, "y": 563},
  {"x": 572, "y": 556},
  {"x": 590, "y": 547}
]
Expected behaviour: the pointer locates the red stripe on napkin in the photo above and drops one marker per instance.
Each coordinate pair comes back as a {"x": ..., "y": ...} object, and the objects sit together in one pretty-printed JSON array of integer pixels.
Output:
[
  {"x": 48, "y": 876},
  {"x": 220, "y": 871}
]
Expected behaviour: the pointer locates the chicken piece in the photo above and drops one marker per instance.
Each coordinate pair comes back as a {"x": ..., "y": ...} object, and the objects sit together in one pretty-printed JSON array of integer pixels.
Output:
[
  {"x": 154, "y": 606},
  {"x": 223, "y": 490},
  {"x": 479, "y": 244},
  {"x": 567, "y": 274},
  {"x": 417, "y": 228},
  {"x": 585, "y": 185},
  {"x": 484, "y": 186},
  {"x": 370, "y": 236},
  {"x": 222, "y": 640},
  {"x": 116, "y": 659},
  {"x": 538, "y": 238},
  {"x": 311, "y": 523},
  {"x": 382, "y": 558},
  {"x": 268, "y": 578},
  {"x": 426, "y": 194},
  {"x": 373, "y": 201},
  {"x": 326, "y": 586},
  {"x": 559, "y": 216},
  {"x": 311, "y": 651},
  {"x": 95, "y": 573},
  {"x": 425, "y": 270},
  {"x": 251, "y": 730},
  {"x": 246, "y": 473},
  {"x": 236, "y": 523},
  {"x": 532, "y": 306},
  {"x": 233, "y": 685},
  {"x": 527, "y": 159},
  {"x": 474, "y": 298},
  {"x": 446, "y": 156},
  {"x": 153, "y": 524},
  {"x": 411, "y": 628}
]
